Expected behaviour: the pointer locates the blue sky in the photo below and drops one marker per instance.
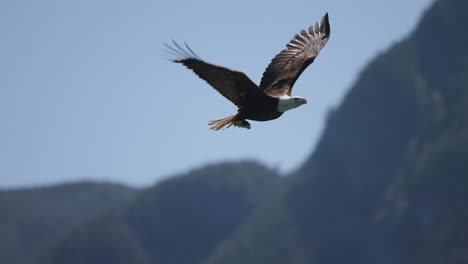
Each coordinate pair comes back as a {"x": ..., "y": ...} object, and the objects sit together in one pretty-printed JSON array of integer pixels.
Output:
[{"x": 86, "y": 91}]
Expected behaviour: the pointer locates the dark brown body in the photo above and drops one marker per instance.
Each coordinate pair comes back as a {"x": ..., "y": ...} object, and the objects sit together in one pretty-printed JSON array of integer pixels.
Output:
[{"x": 263, "y": 110}]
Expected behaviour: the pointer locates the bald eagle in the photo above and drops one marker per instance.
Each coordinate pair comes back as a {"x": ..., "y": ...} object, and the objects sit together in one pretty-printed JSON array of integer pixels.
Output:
[{"x": 272, "y": 97}]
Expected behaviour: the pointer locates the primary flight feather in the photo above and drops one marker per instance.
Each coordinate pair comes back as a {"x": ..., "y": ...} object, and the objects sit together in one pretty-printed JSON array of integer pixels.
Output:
[{"x": 272, "y": 97}]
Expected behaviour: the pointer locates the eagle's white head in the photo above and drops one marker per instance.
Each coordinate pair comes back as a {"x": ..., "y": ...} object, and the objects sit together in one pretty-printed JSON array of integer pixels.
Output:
[{"x": 286, "y": 103}]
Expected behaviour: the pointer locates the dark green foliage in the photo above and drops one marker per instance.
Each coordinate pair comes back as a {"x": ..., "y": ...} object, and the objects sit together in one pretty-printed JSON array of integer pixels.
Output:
[
  {"x": 183, "y": 219},
  {"x": 106, "y": 240},
  {"x": 269, "y": 236},
  {"x": 31, "y": 219},
  {"x": 180, "y": 220}
]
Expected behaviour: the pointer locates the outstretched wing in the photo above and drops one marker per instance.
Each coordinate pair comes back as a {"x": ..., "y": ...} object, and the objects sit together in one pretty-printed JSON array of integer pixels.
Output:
[
  {"x": 285, "y": 68},
  {"x": 234, "y": 85}
]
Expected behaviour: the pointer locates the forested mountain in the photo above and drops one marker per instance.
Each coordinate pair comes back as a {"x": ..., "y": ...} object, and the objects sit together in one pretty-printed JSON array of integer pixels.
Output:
[
  {"x": 31, "y": 219},
  {"x": 387, "y": 183},
  {"x": 180, "y": 220}
]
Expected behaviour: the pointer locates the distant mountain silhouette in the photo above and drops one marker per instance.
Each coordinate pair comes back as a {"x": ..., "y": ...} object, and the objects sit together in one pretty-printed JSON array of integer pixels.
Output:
[{"x": 387, "y": 182}]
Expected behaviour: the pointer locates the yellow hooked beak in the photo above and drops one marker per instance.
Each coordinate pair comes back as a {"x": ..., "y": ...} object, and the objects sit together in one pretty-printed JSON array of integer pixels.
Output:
[{"x": 304, "y": 101}]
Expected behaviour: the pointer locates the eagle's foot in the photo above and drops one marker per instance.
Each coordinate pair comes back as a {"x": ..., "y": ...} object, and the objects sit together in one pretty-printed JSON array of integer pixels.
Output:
[
  {"x": 241, "y": 123},
  {"x": 245, "y": 124}
]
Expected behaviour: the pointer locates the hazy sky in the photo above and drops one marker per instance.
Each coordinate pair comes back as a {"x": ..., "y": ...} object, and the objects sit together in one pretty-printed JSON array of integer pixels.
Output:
[{"x": 85, "y": 91}]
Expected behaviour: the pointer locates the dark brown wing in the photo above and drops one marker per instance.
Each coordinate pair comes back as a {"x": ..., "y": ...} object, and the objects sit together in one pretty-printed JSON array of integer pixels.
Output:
[
  {"x": 285, "y": 68},
  {"x": 234, "y": 85}
]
